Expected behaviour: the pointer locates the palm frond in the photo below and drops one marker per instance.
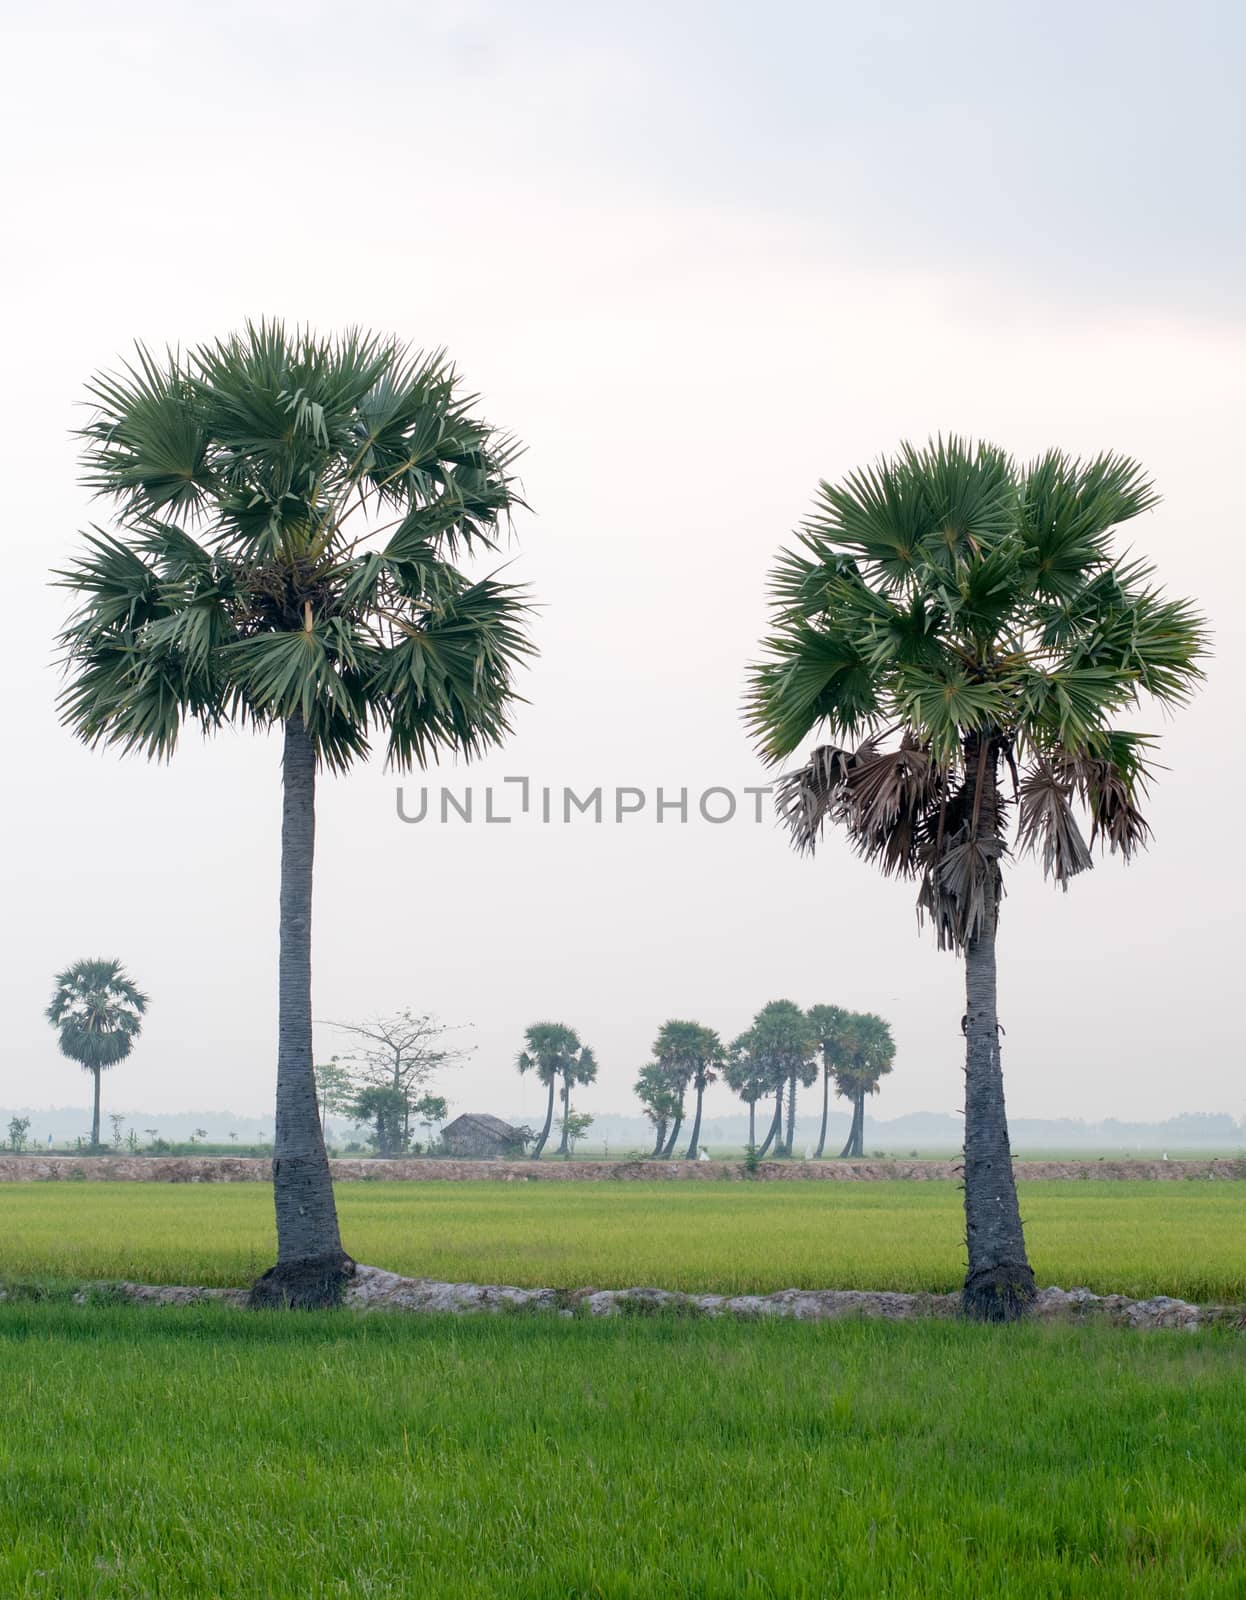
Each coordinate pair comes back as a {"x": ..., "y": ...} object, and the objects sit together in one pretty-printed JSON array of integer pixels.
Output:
[{"x": 1046, "y": 824}]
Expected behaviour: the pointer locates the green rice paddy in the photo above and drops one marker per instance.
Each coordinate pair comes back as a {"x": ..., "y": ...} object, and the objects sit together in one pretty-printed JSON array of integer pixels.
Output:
[
  {"x": 206, "y": 1452},
  {"x": 1183, "y": 1238}
]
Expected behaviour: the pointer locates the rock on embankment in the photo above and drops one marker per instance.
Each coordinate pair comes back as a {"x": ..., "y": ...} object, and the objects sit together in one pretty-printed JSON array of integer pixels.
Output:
[
  {"x": 248, "y": 1169},
  {"x": 372, "y": 1289}
]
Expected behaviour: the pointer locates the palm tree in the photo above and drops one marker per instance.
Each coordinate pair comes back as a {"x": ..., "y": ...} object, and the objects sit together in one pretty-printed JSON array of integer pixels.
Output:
[
  {"x": 659, "y": 1100},
  {"x": 689, "y": 1054},
  {"x": 98, "y": 1010},
  {"x": 957, "y": 618},
  {"x": 867, "y": 1053},
  {"x": 829, "y": 1025},
  {"x": 550, "y": 1048},
  {"x": 708, "y": 1056},
  {"x": 781, "y": 1046},
  {"x": 744, "y": 1075},
  {"x": 290, "y": 513},
  {"x": 579, "y": 1066},
  {"x": 672, "y": 1056}
]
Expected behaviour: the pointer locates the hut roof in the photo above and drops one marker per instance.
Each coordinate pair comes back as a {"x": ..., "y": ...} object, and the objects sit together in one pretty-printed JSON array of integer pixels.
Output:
[{"x": 481, "y": 1120}]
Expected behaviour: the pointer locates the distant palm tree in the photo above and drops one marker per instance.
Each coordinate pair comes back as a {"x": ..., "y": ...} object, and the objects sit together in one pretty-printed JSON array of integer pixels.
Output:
[
  {"x": 97, "y": 1009},
  {"x": 579, "y": 1066},
  {"x": 690, "y": 1055},
  {"x": 745, "y": 1075},
  {"x": 780, "y": 1046},
  {"x": 830, "y": 1025},
  {"x": 975, "y": 607},
  {"x": 292, "y": 511},
  {"x": 553, "y": 1051},
  {"x": 659, "y": 1099},
  {"x": 867, "y": 1054}
]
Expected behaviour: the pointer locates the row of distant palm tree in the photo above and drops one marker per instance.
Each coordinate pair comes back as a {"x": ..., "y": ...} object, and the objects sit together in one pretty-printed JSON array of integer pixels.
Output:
[
  {"x": 785, "y": 1047},
  {"x": 291, "y": 514}
]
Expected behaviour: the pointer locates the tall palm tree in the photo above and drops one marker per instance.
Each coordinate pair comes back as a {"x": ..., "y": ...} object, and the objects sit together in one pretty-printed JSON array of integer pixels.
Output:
[
  {"x": 549, "y": 1049},
  {"x": 829, "y": 1025},
  {"x": 579, "y": 1066},
  {"x": 670, "y": 1051},
  {"x": 781, "y": 1046},
  {"x": 97, "y": 1010},
  {"x": 744, "y": 1074},
  {"x": 962, "y": 621},
  {"x": 690, "y": 1055},
  {"x": 867, "y": 1054},
  {"x": 708, "y": 1056},
  {"x": 290, "y": 515},
  {"x": 659, "y": 1100}
]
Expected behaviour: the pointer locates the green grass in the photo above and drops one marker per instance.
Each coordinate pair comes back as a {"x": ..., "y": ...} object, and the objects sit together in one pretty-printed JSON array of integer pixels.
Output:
[
  {"x": 1181, "y": 1238},
  {"x": 204, "y": 1452}
]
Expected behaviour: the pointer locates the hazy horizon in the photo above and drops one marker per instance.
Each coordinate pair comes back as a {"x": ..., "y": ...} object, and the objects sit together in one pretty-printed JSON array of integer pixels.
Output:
[{"x": 696, "y": 265}]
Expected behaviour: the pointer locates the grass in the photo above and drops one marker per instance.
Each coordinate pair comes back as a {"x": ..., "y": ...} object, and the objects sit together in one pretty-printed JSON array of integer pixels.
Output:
[
  {"x": 204, "y": 1452},
  {"x": 1180, "y": 1238}
]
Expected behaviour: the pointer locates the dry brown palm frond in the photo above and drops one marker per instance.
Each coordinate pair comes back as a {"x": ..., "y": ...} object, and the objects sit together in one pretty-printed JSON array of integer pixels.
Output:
[
  {"x": 957, "y": 888},
  {"x": 808, "y": 796},
  {"x": 1046, "y": 822},
  {"x": 1110, "y": 795},
  {"x": 888, "y": 804}
]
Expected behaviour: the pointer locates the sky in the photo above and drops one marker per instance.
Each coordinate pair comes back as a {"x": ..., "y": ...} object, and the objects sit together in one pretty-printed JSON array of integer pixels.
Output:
[{"x": 696, "y": 264}]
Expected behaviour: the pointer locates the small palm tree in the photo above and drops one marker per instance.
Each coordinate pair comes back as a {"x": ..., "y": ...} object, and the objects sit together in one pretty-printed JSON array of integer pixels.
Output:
[
  {"x": 973, "y": 611},
  {"x": 659, "y": 1100},
  {"x": 690, "y": 1055},
  {"x": 97, "y": 1010},
  {"x": 550, "y": 1051},
  {"x": 780, "y": 1048},
  {"x": 291, "y": 511},
  {"x": 744, "y": 1074},
  {"x": 830, "y": 1028},
  {"x": 579, "y": 1066},
  {"x": 867, "y": 1053}
]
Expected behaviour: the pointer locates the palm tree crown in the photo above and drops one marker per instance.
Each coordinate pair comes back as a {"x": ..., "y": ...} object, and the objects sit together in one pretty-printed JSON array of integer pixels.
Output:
[
  {"x": 291, "y": 511},
  {"x": 973, "y": 607},
  {"x": 97, "y": 1009}
]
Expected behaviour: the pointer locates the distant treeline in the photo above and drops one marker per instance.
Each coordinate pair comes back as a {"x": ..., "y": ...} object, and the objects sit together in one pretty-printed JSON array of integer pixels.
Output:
[{"x": 925, "y": 1130}]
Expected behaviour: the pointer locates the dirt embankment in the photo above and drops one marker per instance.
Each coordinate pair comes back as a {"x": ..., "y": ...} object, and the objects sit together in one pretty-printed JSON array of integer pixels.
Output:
[
  {"x": 371, "y": 1289},
  {"x": 243, "y": 1169}
]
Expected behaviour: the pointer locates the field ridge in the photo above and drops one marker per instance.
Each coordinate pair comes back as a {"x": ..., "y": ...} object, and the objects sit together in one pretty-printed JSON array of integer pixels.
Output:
[{"x": 258, "y": 1169}]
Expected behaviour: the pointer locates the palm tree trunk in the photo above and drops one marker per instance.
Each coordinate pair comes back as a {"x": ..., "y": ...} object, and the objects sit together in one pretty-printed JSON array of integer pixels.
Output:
[
  {"x": 752, "y": 1124},
  {"x": 564, "y": 1149},
  {"x": 549, "y": 1122},
  {"x": 669, "y": 1151},
  {"x": 311, "y": 1265},
  {"x": 858, "y": 1124},
  {"x": 826, "y": 1109},
  {"x": 690, "y": 1152},
  {"x": 850, "y": 1145},
  {"x": 659, "y": 1139},
  {"x": 776, "y": 1124},
  {"x": 791, "y": 1114},
  {"x": 999, "y": 1285},
  {"x": 95, "y": 1113}
]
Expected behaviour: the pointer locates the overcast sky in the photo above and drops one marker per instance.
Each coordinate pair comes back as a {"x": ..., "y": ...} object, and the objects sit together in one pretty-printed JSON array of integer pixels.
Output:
[{"x": 697, "y": 256}]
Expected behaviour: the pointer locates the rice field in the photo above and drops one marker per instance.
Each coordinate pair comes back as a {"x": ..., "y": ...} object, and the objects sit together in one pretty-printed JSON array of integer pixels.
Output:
[
  {"x": 203, "y": 1452},
  {"x": 1183, "y": 1238}
]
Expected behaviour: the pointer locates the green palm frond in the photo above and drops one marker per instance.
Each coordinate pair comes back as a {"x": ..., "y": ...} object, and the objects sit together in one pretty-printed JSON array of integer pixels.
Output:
[
  {"x": 977, "y": 608},
  {"x": 332, "y": 485},
  {"x": 98, "y": 1011}
]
